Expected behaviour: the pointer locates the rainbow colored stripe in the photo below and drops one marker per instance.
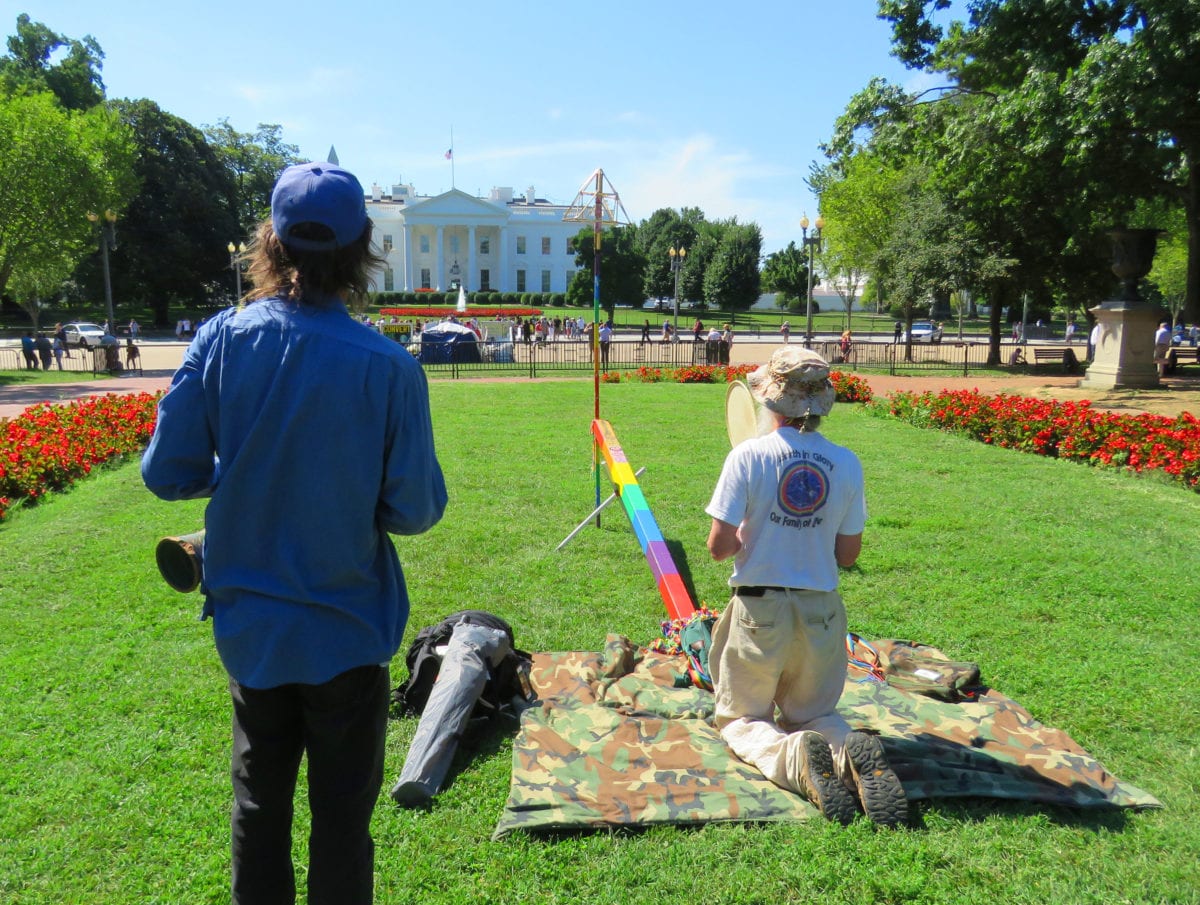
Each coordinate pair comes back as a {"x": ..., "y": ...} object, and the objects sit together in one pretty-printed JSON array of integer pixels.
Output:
[{"x": 674, "y": 592}]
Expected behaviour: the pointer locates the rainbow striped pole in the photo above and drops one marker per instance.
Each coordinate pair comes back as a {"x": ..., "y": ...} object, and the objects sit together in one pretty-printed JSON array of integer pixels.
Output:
[{"x": 674, "y": 592}]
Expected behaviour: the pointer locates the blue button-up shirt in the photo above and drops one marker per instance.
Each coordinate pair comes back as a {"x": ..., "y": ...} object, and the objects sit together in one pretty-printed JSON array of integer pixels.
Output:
[{"x": 311, "y": 433}]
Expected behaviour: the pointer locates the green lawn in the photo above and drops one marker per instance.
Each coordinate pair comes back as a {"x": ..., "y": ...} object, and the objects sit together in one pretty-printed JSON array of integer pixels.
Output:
[{"x": 1073, "y": 588}]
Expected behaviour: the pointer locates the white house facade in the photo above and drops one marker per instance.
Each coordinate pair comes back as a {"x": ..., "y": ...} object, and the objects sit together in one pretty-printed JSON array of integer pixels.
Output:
[{"x": 502, "y": 243}]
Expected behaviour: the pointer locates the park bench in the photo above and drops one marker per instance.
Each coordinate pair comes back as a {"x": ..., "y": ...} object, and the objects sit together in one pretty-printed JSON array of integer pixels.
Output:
[
  {"x": 1064, "y": 357},
  {"x": 1182, "y": 355}
]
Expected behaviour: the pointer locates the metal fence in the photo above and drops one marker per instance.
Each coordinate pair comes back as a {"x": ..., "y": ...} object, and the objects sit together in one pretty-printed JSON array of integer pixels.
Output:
[
  {"x": 534, "y": 359},
  {"x": 81, "y": 361},
  {"x": 538, "y": 359}
]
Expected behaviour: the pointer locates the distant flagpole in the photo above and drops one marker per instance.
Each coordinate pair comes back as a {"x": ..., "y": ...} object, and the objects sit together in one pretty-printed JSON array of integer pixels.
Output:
[{"x": 450, "y": 156}]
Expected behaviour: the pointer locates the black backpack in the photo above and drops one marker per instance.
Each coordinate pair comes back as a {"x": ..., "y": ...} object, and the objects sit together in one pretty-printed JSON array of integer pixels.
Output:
[{"x": 508, "y": 680}]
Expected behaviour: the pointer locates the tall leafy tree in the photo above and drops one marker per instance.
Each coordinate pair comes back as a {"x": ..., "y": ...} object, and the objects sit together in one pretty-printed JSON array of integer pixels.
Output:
[
  {"x": 1124, "y": 71},
  {"x": 56, "y": 165},
  {"x": 622, "y": 268},
  {"x": 254, "y": 161},
  {"x": 785, "y": 273},
  {"x": 732, "y": 279},
  {"x": 665, "y": 229},
  {"x": 73, "y": 77},
  {"x": 174, "y": 234}
]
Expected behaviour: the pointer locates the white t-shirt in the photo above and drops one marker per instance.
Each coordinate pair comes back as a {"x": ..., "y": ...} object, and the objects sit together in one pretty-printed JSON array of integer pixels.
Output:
[{"x": 792, "y": 493}]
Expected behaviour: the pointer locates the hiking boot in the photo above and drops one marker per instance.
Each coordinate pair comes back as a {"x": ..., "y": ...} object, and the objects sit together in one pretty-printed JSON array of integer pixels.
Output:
[
  {"x": 820, "y": 784},
  {"x": 879, "y": 789}
]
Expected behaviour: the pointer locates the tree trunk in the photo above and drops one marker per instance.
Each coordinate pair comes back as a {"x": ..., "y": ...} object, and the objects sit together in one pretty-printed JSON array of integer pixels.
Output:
[
  {"x": 995, "y": 296},
  {"x": 1191, "y": 208}
]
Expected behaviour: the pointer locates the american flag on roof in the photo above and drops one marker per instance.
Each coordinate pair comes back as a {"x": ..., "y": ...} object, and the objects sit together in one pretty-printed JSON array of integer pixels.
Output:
[{"x": 449, "y": 153}]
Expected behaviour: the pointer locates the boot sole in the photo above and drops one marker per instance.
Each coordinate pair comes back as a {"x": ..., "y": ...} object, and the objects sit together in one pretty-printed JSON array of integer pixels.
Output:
[
  {"x": 879, "y": 788},
  {"x": 823, "y": 788}
]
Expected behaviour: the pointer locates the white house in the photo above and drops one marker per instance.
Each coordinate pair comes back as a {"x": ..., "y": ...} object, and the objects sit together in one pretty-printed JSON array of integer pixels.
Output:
[{"x": 500, "y": 243}]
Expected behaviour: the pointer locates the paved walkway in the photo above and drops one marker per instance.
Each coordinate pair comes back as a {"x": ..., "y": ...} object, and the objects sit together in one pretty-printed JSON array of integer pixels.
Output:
[{"x": 161, "y": 359}]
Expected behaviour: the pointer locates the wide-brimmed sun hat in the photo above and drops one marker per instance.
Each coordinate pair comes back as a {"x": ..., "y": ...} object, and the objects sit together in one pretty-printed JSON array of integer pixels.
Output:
[
  {"x": 794, "y": 383},
  {"x": 320, "y": 193}
]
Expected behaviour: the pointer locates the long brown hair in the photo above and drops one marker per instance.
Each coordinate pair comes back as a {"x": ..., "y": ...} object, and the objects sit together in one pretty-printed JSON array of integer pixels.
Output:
[{"x": 276, "y": 270}]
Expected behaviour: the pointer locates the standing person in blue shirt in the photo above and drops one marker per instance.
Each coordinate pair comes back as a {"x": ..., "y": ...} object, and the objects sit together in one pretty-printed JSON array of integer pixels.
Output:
[{"x": 311, "y": 435}]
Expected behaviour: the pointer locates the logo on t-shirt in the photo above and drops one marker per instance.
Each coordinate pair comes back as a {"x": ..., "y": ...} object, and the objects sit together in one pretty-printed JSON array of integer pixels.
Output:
[{"x": 803, "y": 489}]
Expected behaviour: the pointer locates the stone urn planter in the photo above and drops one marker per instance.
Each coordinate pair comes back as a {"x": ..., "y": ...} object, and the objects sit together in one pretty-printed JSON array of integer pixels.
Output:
[{"x": 1132, "y": 258}]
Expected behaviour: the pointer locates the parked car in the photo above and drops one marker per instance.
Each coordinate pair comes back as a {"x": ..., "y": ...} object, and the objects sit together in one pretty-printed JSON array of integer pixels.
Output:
[
  {"x": 87, "y": 336},
  {"x": 925, "y": 332}
]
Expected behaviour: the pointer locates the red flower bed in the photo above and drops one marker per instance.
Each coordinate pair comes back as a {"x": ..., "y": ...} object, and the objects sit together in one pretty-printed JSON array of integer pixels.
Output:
[
  {"x": 49, "y": 447},
  {"x": 472, "y": 311},
  {"x": 1065, "y": 430}
]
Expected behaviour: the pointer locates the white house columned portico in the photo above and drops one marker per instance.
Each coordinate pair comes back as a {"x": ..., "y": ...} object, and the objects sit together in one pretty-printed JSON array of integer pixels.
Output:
[{"x": 502, "y": 243}]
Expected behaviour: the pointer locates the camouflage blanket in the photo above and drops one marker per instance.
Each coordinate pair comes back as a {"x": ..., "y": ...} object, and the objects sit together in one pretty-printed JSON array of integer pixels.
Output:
[{"x": 614, "y": 742}]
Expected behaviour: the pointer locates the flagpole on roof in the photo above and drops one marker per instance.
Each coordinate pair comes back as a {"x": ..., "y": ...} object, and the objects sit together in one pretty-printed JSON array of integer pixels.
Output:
[{"x": 450, "y": 154}]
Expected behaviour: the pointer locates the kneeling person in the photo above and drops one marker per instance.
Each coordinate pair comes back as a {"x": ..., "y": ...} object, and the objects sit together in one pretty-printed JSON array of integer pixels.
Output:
[{"x": 789, "y": 507}]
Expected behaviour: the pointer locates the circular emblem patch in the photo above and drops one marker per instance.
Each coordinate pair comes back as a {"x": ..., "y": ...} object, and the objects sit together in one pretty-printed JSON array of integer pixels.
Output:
[{"x": 803, "y": 489}]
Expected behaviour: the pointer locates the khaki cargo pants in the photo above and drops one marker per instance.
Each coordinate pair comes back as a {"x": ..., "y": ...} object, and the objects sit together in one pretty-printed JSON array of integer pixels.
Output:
[{"x": 786, "y": 649}]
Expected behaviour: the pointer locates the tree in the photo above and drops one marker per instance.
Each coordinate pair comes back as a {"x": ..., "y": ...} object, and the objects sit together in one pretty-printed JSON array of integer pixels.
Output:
[
  {"x": 39, "y": 279},
  {"x": 1123, "y": 70},
  {"x": 175, "y": 231},
  {"x": 56, "y": 165},
  {"x": 731, "y": 279},
  {"x": 622, "y": 268},
  {"x": 860, "y": 200},
  {"x": 665, "y": 229},
  {"x": 74, "y": 79},
  {"x": 254, "y": 161},
  {"x": 786, "y": 274}
]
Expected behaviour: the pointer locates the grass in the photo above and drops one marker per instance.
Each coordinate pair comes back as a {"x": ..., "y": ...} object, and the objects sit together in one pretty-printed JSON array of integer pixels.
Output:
[{"x": 1073, "y": 588}]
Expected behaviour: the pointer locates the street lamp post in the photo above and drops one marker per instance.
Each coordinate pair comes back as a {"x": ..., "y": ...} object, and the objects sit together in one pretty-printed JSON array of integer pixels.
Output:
[
  {"x": 235, "y": 262},
  {"x": 678, "y": 254},
  {"x": 108, "y": 241},
  {"x": 812, "y": 243}
]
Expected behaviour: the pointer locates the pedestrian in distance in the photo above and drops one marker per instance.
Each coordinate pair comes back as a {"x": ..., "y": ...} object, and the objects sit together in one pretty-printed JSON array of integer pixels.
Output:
[
  {"x": 311, "y": 435},
  {"x": 1162, "y": 345},
  {"x": 789, "y": 509},
  {"x": 44, "y": 350},
  {"x": 29, "y": 351}
]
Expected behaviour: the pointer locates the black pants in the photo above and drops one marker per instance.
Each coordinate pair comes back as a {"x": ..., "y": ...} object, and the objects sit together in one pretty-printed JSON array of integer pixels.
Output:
[{"x": 341, "y": 726}]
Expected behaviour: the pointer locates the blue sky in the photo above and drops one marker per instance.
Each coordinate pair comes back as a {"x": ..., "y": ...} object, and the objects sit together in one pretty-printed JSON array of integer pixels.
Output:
[{"x": 720, "y": 106}]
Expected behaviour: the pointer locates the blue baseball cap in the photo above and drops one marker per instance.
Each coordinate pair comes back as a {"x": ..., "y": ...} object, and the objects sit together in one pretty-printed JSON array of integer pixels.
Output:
[{"x": 318, "y": 193}]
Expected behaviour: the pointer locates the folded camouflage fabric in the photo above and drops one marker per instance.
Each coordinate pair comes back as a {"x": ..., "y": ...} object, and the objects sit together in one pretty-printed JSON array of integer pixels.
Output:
[{"x": 614, "y": 743}]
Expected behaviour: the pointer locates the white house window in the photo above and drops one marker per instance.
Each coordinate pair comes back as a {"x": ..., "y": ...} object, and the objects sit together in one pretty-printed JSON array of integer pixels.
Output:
[
  {"x": 387, "y": 243},
  {"x": 546, "y": 280},
  {"x": 425, "y": 278},
  {"x": 545, "y": 245},
  {"x": 520, "y": 245},
  {"x": 485, "y": 280},
  {"x": 520, "y": 281},
  {"x": 485, "y": 246},
  {"x": 424, "y": 245},
  {"x": 389, "y": 280}
]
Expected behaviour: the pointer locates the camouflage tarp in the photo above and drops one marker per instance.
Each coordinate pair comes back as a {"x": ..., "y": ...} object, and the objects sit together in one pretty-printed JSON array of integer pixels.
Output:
[{"x": 615, "y": 743}]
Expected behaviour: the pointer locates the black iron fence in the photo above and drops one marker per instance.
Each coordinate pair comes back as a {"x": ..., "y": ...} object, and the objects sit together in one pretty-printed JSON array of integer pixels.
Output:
[
  {"x": 534, "y": 359},
  {"x": 109, "y": 359}
]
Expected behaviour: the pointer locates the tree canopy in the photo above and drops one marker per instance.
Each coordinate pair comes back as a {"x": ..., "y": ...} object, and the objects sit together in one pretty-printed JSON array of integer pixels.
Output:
[
  {"x": 74, "y": 79},
  {"x": 56, "y": 166},
  {"x": 175, "y": 231},
  {"x": 254, "y": 161},
  {"x": 622, "y": 268},
  {"x": 1108, "y": 91}
]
